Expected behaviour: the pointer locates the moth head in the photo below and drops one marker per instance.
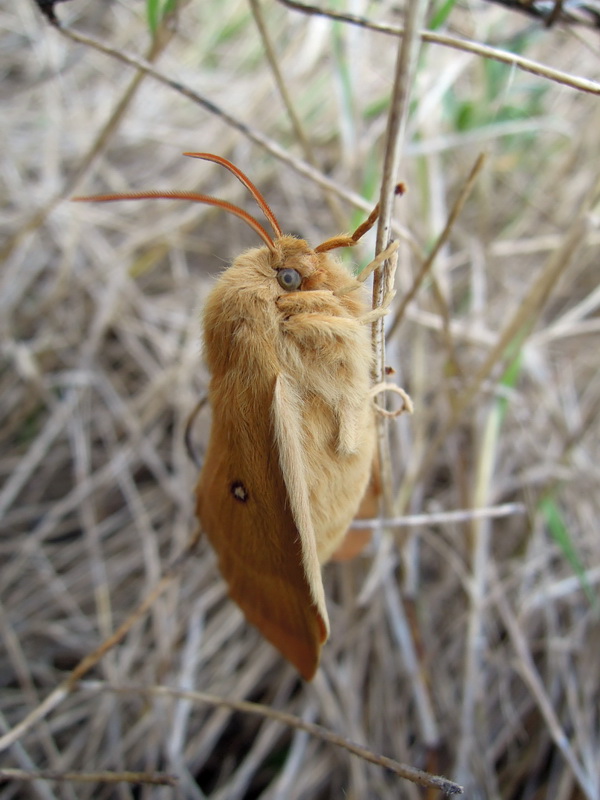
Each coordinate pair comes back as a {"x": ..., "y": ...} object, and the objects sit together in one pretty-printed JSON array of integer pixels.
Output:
[{"x": 300, "y": 268}]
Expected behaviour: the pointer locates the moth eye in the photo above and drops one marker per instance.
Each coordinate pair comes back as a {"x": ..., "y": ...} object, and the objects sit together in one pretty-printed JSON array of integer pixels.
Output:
[{"x": 289, "y": 279}]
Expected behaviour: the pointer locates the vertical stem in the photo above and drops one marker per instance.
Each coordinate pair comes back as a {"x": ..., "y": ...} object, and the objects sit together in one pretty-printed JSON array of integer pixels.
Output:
[
  {"x": 295, "y": 121},
  {"x": 405, "y": 60},
  {"x": 473, "y": 678},
  {"x": 394, "y": 139}
]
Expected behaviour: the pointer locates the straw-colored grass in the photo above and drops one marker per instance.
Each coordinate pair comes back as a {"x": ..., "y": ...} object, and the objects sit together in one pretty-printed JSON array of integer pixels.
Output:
[{"x": 465, "y": 644}]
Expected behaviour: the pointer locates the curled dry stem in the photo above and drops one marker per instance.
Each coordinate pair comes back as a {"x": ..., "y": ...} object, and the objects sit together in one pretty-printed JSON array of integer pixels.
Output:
[{"x": 407, "y": 404}]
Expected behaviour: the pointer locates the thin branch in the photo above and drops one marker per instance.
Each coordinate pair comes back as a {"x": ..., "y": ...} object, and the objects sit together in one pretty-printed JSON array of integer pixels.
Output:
[
  {"x": 474, "y": 686},
  {"x": 531, "y": 676},
  {"x": 256, "y": 136},
  {"x": 318, "y": 731},
  {"x": 394, "y": 139},
  {"x": 154, "y": 778},
  {"x": 159, "y": 43},
  {"x": 295, "y": 120},
  {"x": 428, "y": 263},
  {"x": 441, "y": 241},
  {"x": 559, "y": 11},
  {"x": 257, "y": 12},
  {"x": 59, "y": 693},
  {"x": 444, "y": 517},
  {"x": 522, "y": 320},
  {"x": 466, "y": 45}
]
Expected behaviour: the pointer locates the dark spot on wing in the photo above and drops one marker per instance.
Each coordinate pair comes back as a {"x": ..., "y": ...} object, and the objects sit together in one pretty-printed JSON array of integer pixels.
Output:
[{"x": 239, "y": 491}]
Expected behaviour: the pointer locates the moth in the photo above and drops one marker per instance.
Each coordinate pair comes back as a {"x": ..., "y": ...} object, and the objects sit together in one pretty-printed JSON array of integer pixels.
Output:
[{"x": 292, "y": 443}]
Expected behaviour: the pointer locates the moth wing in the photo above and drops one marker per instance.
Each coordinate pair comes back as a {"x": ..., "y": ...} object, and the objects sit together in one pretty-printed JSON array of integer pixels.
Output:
[{"x": 245, "y": 509}]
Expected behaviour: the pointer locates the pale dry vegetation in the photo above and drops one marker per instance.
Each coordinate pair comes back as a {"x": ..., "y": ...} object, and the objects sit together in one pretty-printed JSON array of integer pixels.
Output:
[{"x": 467, "y": 647}]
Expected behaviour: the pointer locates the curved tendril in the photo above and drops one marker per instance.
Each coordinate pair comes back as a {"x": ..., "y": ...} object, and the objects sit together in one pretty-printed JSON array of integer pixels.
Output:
[{"x": 247, "y": 183}]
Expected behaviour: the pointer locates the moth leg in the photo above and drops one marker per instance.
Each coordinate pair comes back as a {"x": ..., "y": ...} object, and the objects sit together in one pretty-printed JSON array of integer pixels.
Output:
[
  {"x": 376, "y": 313},
  {"x": 297, "y": 303},
  {"x": 389, "y": 254},
  {"x": 322, "y": 328},
  {"x": 378, "y": 260}
]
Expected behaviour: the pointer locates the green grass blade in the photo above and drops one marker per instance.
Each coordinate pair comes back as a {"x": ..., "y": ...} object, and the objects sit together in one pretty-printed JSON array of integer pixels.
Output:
[
  {"x": 560, "y": 533},
  {"x": 440, "y": 14}
]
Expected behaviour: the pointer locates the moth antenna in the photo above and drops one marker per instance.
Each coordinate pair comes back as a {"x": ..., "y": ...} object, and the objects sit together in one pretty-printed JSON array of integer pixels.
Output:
[
  {"x": 349, "y": 240},
  {"x": 254, "y": 191},
  {"x": 196, "y": 198}
]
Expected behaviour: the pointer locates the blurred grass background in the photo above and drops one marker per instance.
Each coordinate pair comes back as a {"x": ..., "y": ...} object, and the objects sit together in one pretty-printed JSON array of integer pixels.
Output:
[{"x": 468, "y": 648}]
